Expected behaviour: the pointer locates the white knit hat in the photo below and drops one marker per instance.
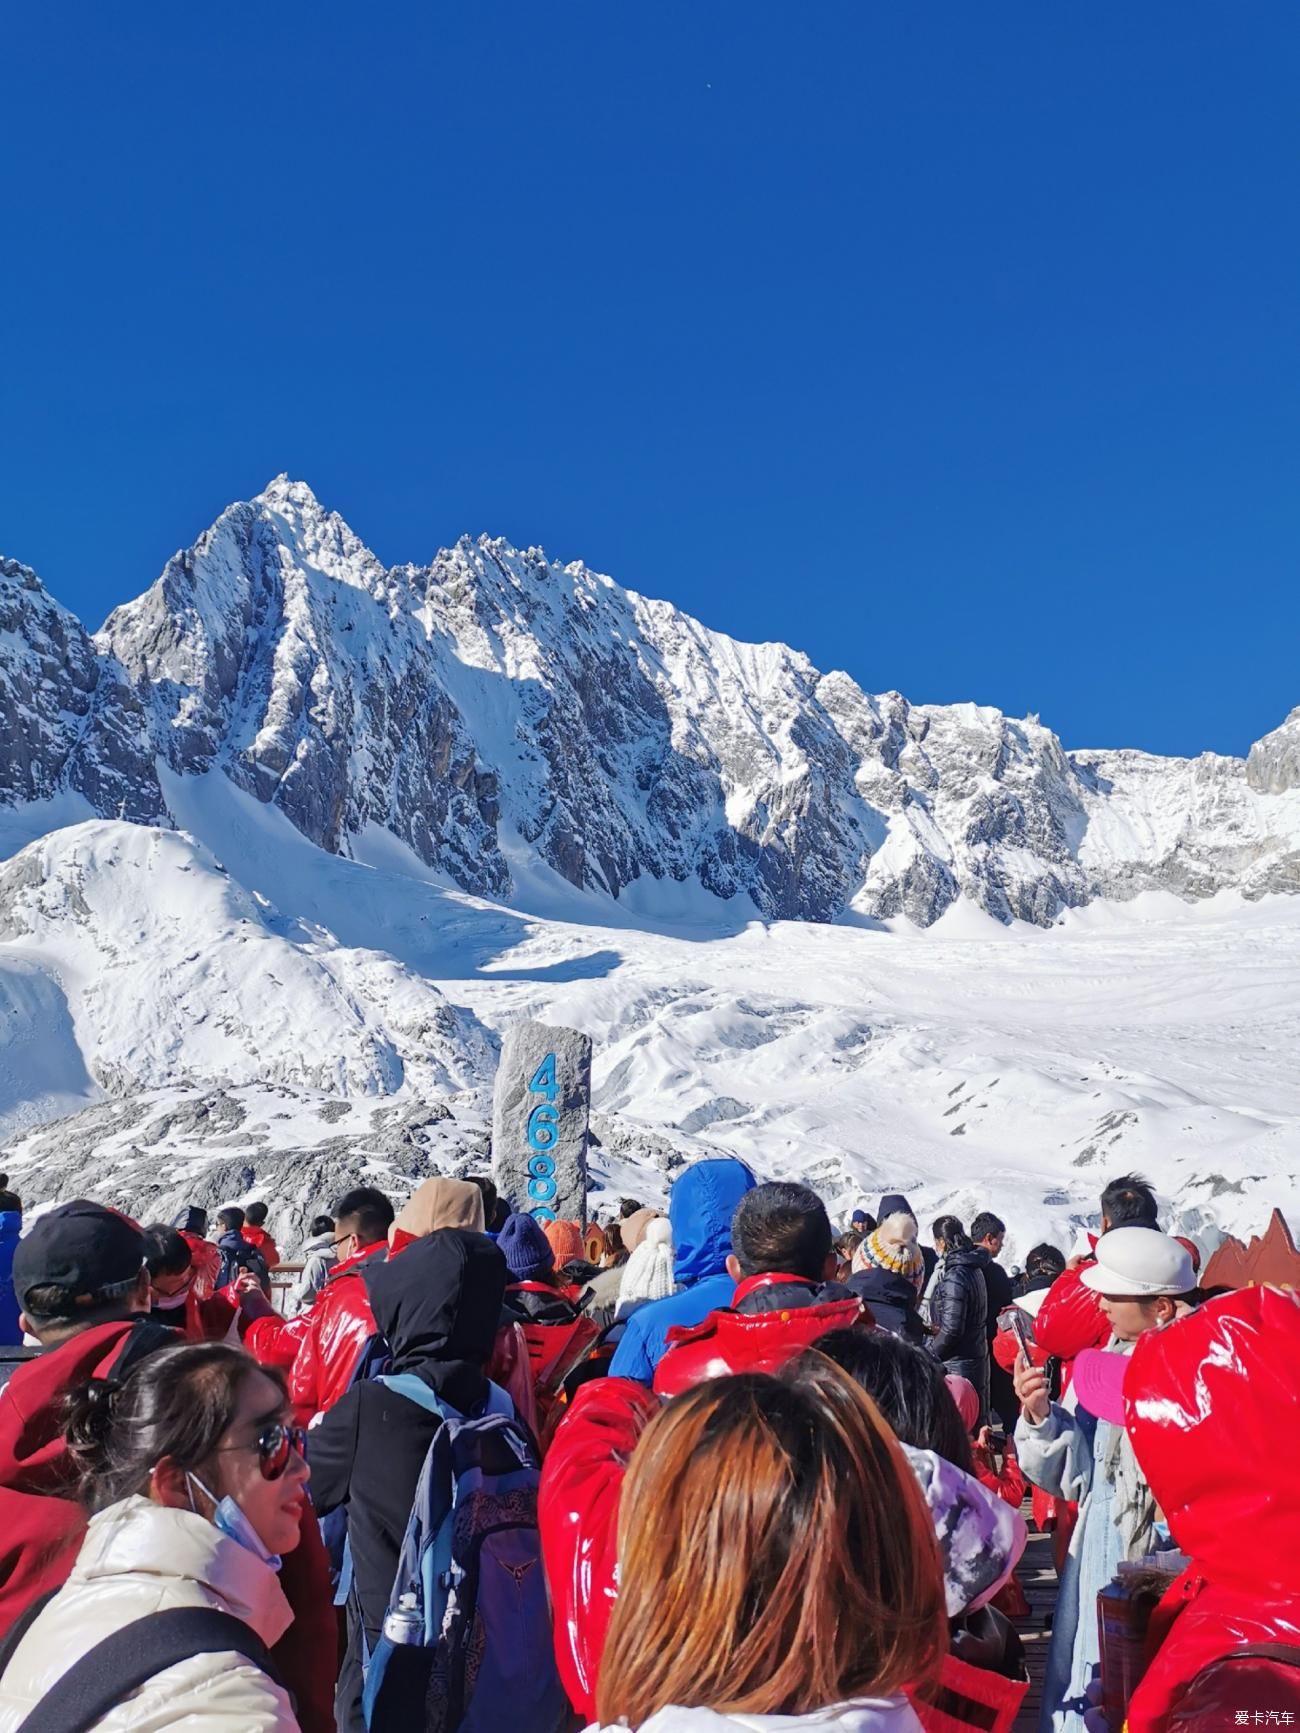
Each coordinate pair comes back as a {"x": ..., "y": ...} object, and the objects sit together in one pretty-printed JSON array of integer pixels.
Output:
[{"x": 648, "y": 1273}]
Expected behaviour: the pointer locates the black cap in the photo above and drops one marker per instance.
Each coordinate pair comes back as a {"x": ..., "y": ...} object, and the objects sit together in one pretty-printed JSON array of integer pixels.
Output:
[{"x": 81, "y": 1247}]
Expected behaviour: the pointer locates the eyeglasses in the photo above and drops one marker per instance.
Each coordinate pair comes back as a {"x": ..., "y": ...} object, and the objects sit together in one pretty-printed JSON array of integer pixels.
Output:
[{"x": 274, "y": 1445}]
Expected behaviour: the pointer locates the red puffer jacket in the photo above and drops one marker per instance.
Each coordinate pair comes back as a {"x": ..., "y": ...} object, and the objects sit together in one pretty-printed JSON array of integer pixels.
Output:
[
  {"x": 755, "y": 1340},
  {"x": 338, "y": 1327},
  {"x": 1069, "y": 1319},
  {"x": 262, "y": 1242},
  {"x": 40, "y": 1520},
  {"x": 1211, "y": 1403},
  {"x": 577, "y": 1509},
  {"x": 275, "y": 1341},
  {"x": 206, "y": 1261}
]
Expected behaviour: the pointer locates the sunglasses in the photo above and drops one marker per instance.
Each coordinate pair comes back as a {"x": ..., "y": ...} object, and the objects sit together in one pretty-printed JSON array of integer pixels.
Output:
[{"x": 274, "y": 1445}]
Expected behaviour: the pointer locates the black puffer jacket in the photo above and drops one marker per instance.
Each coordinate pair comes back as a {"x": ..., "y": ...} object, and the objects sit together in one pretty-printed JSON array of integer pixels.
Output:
[
  {"x": 892, "y": 1300},
  {"x": 958, "y": 1317}
]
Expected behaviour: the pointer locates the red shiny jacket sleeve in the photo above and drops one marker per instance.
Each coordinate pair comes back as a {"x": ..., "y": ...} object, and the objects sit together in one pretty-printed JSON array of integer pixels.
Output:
[
  {"x": 339, "y": 1326},
  {"x": 582, "y": 1481},
  {"x": 275, "y": 1341},
  {"x": 1069, "y": 1319},
  {"x": 206, "y": 1260}
]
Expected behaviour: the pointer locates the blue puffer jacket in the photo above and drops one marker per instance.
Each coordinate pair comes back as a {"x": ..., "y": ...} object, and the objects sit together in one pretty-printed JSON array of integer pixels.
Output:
[
  {"x": 700, "y": 1209},
  {"x": 11, "y": 1223}
]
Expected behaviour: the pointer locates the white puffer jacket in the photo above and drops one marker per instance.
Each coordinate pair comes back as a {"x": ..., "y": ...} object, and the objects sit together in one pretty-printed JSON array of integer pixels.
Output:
[
  {"x": 139, "y": 1558},
  {"x": 865, "y": 1715}
]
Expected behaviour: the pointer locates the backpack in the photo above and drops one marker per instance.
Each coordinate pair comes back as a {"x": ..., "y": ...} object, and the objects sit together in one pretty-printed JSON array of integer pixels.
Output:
[
  {"x": 554, "y": 1351},
  {"x": 236, "y": 1259},
  {"x": 467, "y": 1636}
]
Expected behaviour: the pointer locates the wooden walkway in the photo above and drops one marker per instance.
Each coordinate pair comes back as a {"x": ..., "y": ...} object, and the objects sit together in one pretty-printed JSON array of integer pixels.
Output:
[{"x": 1038, "y": 1578}]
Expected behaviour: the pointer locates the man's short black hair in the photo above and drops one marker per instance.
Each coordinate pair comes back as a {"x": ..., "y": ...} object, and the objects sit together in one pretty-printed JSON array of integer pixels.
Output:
[
  {"x": 366, "y": 1212},
  {"x": 986, "y": 1225},
  {"x": 166, "y": 1253},
  {"x": 1045, "y": 1260},
  {"x": 255, "y": 1215},
  {"x": 230, "y": 1219},
  {"x": 781, "y": 1227},
  {"x": 321, "y": 1225},
  {"x": 489, "y": 1189},
  {"x": 628, "y": 1206},
  {"x": 495, "y": 1207},
  {"x": 1130, "y": 1201}
]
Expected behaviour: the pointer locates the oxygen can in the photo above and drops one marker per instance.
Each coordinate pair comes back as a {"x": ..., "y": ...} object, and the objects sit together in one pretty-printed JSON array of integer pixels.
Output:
[{"x": 405, "y": 1623}]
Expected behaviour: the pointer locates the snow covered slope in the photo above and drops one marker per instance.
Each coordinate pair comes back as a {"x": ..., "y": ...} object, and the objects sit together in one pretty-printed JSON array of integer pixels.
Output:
[
  {"x": 234, "y": 1048},
  {"x": 294, "y": 838}
]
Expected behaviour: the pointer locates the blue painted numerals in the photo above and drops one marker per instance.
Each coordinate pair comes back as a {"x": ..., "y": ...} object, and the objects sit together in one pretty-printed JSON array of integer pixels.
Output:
[{"x": 541, "y": 1133}]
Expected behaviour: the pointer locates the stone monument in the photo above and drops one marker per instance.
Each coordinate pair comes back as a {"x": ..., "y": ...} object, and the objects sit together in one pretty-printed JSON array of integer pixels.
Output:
[{"x": 539, "y": 1121}]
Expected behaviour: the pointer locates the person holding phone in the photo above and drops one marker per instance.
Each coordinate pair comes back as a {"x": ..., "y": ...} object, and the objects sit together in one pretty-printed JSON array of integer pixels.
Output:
[{"x": 1141, "y": 1278}]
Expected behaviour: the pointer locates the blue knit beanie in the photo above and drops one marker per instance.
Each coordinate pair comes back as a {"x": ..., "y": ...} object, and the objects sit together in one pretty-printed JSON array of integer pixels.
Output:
[{"x": 527, "y": 1250}]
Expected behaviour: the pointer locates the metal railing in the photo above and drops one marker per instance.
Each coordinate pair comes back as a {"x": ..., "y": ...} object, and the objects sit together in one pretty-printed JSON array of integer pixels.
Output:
[{"x": 284, "y": 1278}]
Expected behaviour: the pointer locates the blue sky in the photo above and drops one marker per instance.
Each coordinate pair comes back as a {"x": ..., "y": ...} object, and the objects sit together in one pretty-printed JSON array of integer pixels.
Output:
[{"x": 958, "y": 345}]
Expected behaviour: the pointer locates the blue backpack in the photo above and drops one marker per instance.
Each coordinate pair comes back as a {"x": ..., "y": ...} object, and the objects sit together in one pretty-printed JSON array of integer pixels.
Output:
[{"x": 468, "y": 1628}]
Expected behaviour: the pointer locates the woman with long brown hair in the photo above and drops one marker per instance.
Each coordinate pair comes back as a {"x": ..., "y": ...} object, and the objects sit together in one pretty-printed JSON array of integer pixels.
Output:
[{"x": 777, "y": 1565}]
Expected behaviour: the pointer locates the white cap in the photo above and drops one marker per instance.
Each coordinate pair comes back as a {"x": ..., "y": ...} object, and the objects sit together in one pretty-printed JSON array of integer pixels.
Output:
[{"x": 1139, "y": 1264}]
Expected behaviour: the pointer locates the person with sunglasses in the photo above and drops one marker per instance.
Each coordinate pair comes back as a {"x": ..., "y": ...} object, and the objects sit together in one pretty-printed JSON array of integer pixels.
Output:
[{"x": 196, "y": 1483}]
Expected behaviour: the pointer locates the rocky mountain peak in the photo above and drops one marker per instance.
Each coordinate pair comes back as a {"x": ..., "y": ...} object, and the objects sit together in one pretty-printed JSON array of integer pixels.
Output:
[
  {"x": 14, "y": 573},
  {"x": 495, "y": 705}
]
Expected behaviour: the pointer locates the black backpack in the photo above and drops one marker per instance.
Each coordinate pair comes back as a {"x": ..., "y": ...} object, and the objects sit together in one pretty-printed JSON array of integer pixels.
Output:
[
  {"x": 236, "y": 1259},
  {"x": 107, "y": 1674}
]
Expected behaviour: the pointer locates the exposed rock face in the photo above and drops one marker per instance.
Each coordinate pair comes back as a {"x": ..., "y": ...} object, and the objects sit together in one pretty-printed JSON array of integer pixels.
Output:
[
  {"x": 278, "y": 649},
  {"x": 69, "y": 718},
  {"x": 48, "y": 675},
  {"x": 494, "y": 708},
  {"x": 153, "y": 1155},
  {"x": 1273, "y": 765}
]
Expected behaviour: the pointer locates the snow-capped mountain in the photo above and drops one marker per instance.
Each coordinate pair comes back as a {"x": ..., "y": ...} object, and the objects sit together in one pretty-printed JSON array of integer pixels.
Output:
[
  {"x": 494, "y": 710},
  {"x": 303, "y": 833}
]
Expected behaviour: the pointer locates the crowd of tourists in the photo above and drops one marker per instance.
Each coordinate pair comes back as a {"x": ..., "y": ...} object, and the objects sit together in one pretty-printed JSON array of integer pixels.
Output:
[{"x": 715, "y": 1468}]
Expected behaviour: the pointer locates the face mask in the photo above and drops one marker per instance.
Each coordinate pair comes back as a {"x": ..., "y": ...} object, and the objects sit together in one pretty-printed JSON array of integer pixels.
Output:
[{"x": 230, "y": 1519}]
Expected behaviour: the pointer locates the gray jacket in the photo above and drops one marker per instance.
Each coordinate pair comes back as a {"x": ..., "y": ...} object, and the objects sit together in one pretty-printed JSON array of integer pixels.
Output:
[{"x": 319, "y": 1258}]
